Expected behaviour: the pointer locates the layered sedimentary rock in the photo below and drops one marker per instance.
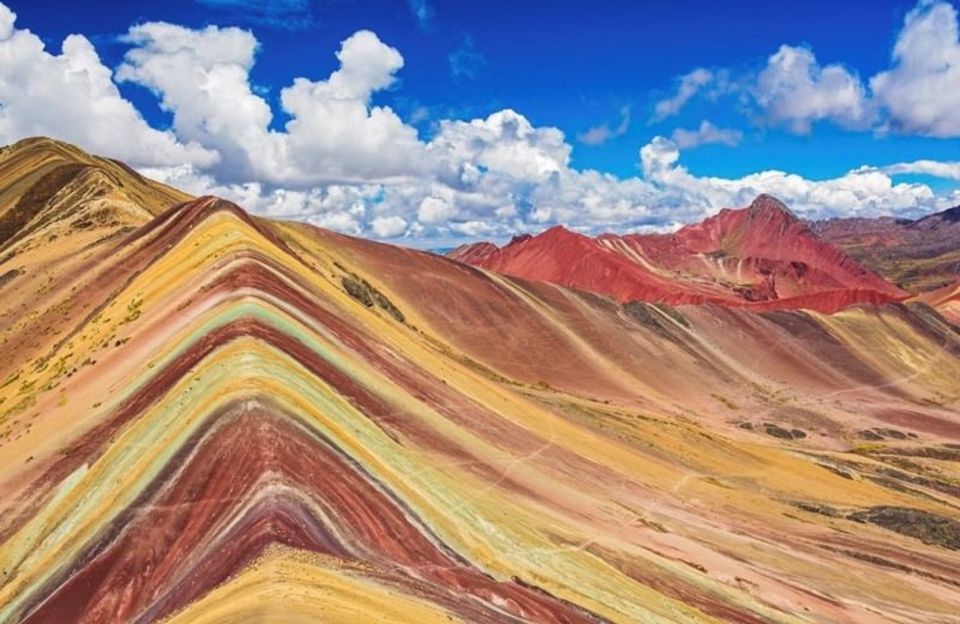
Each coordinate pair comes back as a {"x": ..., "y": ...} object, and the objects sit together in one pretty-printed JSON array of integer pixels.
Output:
[
  {"x": 918, "y": 255},
  {"x": 761, "y": 257},
  {"x": 209, "y": 417},
  {"x": 946, "y": 300},
  {"x": 53, "y": 190}
]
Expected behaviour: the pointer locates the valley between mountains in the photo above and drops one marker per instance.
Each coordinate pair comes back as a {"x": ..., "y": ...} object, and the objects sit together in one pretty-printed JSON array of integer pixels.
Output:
[{"x": 208, "y": 416}]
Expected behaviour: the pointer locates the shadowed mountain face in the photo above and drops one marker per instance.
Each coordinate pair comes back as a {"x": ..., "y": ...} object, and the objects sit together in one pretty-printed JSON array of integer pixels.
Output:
[
  {"x": 208, "y": 417},
  {"x": 919, "y": 256},
  {"x": 761, "y": 258},
  {"x": 51, "y": 190}
]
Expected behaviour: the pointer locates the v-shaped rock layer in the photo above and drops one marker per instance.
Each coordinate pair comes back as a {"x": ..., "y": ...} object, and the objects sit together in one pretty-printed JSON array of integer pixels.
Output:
[{"x": 211, "y": 417}]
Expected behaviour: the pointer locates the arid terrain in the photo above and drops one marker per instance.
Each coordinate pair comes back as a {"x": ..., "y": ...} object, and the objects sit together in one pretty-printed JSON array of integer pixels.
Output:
[
  {"x": 207, "y": 416},
  {"x": 919, "y": 255}
]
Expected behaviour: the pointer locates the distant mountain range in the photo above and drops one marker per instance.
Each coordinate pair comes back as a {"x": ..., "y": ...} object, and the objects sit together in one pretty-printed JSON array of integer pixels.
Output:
[
  {"x": 917, "y": 255},
  {"x": 761, "y": 257}
]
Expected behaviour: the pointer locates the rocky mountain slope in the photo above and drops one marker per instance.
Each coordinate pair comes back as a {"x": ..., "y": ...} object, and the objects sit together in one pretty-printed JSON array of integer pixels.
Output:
[
  {"x": 53, "y": 189},
  {"x": 761, "y": 257},
  {"x": 208, "y": 417},
  {"x": 918, "y": 255}
]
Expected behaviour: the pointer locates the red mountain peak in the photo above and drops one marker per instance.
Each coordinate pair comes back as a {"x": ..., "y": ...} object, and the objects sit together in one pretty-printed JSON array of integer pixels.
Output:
[
  {"x": 519, "y": 238},
  {"x": 558, "y": 232},
  {"x": 762, "y": 256},
  {"x": 768, "y": 206},
  {"x": 473, "y": 253}
]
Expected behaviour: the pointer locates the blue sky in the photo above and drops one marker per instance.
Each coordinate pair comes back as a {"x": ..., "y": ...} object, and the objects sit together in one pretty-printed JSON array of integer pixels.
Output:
[{"x": 593, "y": 70}]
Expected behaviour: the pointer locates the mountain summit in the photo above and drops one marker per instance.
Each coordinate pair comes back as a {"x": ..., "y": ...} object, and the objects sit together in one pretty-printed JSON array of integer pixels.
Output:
[
  {"x": 760, "y": 257},
  {"x": 49, "y": 189}
]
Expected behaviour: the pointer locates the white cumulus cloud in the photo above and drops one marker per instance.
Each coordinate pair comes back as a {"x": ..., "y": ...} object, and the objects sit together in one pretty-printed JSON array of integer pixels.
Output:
[
  {"x": 7, "y": 19},
  {"x": 795, "y": 90},
  {"x": 202, "y": 77},
  {"x": 861, "y": 192},
  {"x": 921, "y": 91},
  {"x": 389, "y": 227},
  {"x": 919, "y": 94},
  {"x": 72, "y": 96},
  {"x": 435, "y": 210},
  {"x": 504, "y": 143}
]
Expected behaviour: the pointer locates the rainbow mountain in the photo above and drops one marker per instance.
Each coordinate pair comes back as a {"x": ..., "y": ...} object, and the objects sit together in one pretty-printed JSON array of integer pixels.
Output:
[{"x": 206, "y": 416}]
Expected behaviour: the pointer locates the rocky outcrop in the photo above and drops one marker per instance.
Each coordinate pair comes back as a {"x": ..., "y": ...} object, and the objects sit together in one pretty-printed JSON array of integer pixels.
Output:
[{"x": 925, "y": 526}]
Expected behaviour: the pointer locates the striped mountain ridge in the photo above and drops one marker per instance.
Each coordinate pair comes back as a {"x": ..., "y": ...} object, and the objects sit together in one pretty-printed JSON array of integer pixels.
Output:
[
  {"x": 213, "y": 417},
  {"x": 761, "y": 257},
  {"x": 56, "y": 188},
  {"x": 919, "y": 255},
  {"x": 946, "y": 300}
]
